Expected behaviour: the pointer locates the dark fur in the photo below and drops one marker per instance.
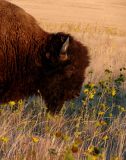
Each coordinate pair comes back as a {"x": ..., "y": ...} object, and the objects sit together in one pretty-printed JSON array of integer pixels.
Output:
[{"x": 24, "y": 67}]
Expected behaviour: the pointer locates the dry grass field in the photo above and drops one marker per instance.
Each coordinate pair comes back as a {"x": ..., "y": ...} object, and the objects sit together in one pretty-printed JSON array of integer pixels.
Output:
[
  {"x": 92, "y": 127},
  {"x": 112, "y": 12},
  {"x": 99, "y": 24}
]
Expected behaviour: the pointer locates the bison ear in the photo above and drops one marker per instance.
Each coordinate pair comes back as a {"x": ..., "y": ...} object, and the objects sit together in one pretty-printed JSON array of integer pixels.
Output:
[{"x": 63, "y": 51}]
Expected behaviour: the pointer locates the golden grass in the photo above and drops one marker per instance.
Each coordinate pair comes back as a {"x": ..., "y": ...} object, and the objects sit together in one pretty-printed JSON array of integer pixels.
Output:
[
  {"x": 83, "y": 28},
  {"x": 92, "y": 128}
]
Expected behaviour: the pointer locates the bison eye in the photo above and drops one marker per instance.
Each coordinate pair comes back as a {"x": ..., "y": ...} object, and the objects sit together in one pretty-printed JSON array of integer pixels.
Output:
[{"x": 47, "y": 55}]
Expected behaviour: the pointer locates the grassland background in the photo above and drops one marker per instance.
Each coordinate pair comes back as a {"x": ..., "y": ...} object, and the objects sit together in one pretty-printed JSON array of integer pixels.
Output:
[
  {"x": 27, "y": 132},
  {"x": 99, "y": 24}
]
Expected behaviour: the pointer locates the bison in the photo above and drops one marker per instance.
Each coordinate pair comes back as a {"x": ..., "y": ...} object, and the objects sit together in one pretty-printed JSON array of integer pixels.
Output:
[{"x": 33, "y": 60}]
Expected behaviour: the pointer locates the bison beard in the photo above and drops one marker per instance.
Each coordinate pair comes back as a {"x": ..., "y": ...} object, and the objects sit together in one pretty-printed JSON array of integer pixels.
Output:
[{"x": 32, "y": 59}]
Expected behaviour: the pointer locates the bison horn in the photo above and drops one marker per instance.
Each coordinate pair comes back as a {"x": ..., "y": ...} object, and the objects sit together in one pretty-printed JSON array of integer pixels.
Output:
[
  {"x": 65, "y": 46},
  {"x": 63, "y": 52}
]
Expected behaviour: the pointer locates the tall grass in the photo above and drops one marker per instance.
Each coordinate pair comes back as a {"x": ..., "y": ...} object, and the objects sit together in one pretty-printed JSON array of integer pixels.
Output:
[{"x": 89, "y": 128}]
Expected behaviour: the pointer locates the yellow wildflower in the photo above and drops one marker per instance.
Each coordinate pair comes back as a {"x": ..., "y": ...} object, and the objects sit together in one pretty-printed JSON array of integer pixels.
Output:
[
  {"x": 86, "y": 91},
  {"x": 4, "y": 139},
  {"x": 20, "y": 102},
  {"x": 103, "y": 106},
  {"x": 95, "y": 151},
  {"x": 105, "y": 138},
  {"x": 98, "y": 124},
  {"x": 110, "y": 115},
  {"x": 122, "y": 109},
  {"x": 35, "y": 139},
  {"x": 11, "y": 103},
  {"x": 103, "y": 123},
  {"x": 113, "y": 92},
  {"x": 92, "y": 85},
  {"x": 90, "y": 149},
  {"x": 66, "y": 138},
  {"x": 100, "y": 113},
  {"x": 91, "y": 96}
]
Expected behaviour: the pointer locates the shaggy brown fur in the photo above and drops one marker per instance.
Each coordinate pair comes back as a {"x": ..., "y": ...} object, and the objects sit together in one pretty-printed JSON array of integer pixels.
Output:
[{"x": 30, "y": 60}]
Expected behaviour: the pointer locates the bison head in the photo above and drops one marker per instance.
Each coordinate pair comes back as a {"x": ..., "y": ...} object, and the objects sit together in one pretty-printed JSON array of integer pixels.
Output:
[
  {"x": 56, "y": 53},
  {"x": 65, "y": 60}
]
